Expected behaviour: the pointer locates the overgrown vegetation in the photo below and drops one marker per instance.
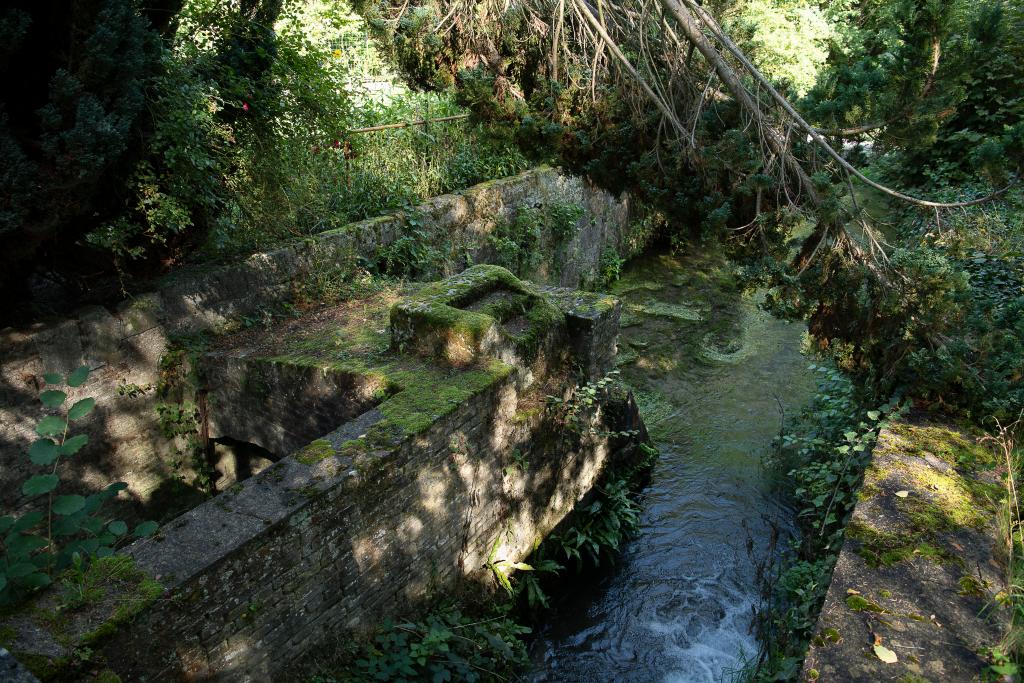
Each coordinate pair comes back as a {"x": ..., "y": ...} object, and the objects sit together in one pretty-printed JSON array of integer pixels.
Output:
[
  {"x": 218, "y": 129},
  {"x": 823, "y": 457},
  {"x": 71, "y": 530},
  {"x": 1007, "y": 657}
]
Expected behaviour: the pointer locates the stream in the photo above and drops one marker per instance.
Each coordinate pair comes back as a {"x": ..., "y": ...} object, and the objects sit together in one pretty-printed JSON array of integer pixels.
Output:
[{"x": 709, "y": 370}]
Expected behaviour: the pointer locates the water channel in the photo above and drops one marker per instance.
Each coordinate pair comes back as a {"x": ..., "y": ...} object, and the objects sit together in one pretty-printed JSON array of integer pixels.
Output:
[{"x": 710, "y": 371}]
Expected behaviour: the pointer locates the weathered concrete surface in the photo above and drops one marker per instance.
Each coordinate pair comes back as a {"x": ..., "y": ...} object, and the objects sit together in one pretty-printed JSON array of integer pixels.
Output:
[
  {"x": 124, "y": 346},
  {"x": 921, "y": 565},
  {"x": 406, "y": 498}
]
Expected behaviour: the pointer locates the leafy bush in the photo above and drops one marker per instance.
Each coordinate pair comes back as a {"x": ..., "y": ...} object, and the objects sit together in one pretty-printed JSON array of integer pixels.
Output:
[
  {"x": 71, "y": 529},
  {"x": 445, "y": 646},
  {"x": 820, "y": 462}
]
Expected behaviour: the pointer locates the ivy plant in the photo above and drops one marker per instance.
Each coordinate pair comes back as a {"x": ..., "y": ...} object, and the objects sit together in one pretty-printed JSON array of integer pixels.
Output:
[{"x": 66, "y": 529}]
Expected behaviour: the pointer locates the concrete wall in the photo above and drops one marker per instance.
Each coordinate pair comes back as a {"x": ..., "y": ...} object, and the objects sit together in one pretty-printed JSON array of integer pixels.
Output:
[{"x": 124, "y": 346}]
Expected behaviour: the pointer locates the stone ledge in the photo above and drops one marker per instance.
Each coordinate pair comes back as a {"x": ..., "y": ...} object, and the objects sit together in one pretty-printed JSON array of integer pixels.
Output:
[{"x": 920, "y": 566}]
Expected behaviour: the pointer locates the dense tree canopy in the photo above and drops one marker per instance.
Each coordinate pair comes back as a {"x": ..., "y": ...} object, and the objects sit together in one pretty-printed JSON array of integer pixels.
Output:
[{"x": 134, "y": 137}]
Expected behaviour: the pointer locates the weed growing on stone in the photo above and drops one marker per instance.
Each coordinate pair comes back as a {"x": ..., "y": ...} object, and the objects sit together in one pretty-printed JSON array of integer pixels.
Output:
[{"x": 1007, "y": 657}]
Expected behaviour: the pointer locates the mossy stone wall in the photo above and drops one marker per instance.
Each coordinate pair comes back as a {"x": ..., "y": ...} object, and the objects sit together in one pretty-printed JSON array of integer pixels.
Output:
[{"x": 123, "y": 346}]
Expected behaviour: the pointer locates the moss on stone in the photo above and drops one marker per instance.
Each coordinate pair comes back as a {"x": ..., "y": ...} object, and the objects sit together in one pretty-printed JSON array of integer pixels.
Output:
[
  {"x": 315, "y": 452},
  {"x": 883, "y": 549},
  {"x": 955, "y": 447},
  {"x": 858, "y": 603},
  {"x": 42, "y": 667},
  {"x": 942, "y": 501},
  {"x": 95, "y": 602},
  {"x": 439, "y": 320},
  {"x": 138, "y": 592}
]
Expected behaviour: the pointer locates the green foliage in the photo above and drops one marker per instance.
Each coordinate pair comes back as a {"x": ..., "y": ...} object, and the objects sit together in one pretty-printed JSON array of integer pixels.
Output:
[
  {"x": 177, "y": 411},
  {"x": 600, "y": 528},
  {"x": 575, "y": 412},
  {"x": 445, "y": 646},
  {"x": 412, "y": 253},
  {"x": 75, "y": 81},
  {"x": 609, "y": 267},
  {"x": 823, "y": 457},
  {"x": 72, "y": 530},
  {"x": 516, "y": 243},
  {"x": 787, "y": 39}
]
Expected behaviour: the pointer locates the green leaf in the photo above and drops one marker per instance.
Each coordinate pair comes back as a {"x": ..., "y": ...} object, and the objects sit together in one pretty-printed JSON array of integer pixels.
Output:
[
  {"x": 146, "y": 529},
  {"x": 81, "y": 408},
  {"x": 874, "y": 414},
  {"x": 74, "y": 444},
  {"x": 68, "y": 505},
  {"x": 37, "y": 580},
  {"x": 104, "y": 551},
  {"x": 53, "y": 378},
  {"x": 118, "y": 528},
  {"x": 27, "y": 521},
  {"x": 24, "y": 544},
  {"x": 68, "y": 526},
  {"x": 78, "y": 377},
  {"x": 51, "y": 425},
  {"x": 6, "y": 522},
  {"x": 3, "y": 581},
  {"x": 16, "y": 571},
  {"x": 92, "y": 525},
  {"x": 43, "y": 452},
  {"x": 40, "y": 484},
  {"x": 53, "y": 398}
]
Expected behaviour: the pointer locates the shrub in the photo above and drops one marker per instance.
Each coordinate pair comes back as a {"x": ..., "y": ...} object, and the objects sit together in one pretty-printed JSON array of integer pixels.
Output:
[{"x": 71, "y": 530}]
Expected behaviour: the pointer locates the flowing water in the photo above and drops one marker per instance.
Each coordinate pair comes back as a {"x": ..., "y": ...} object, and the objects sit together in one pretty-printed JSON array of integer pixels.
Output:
[{"x": 710, "y": 371}]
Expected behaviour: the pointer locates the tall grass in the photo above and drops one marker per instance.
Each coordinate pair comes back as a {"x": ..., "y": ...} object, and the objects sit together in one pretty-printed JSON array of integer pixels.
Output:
[{"x": 1008, "y": 657}]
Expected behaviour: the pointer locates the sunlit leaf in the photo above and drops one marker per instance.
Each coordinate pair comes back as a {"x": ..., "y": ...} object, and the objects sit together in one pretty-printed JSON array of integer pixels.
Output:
[
  {"x": 885, "y": 654},
  {"x": 81, "y": 408},
  {"x": 51, "y": 425},
  {"x": 74, "y": 444}
]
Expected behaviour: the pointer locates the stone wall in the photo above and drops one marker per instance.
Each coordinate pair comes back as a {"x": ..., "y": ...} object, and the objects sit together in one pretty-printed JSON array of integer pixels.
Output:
[
  {"x": 913, "y": 596},
  {"x": 124, "y": 345},
  {"x": 366, "y": 521}
]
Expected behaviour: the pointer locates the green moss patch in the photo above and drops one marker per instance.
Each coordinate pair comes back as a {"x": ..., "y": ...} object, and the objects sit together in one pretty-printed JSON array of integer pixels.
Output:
[
  {"x": 315, "y": 452},
  {"x": 955, "y": 447},
  {"x": 86, "y": 607},
  {"x": 453, "y": 318},
  {"x": 884, "y": 549}
]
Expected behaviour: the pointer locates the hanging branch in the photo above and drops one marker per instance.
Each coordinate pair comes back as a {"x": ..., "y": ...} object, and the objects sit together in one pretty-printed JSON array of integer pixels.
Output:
[{"x": 712, "y": 25}]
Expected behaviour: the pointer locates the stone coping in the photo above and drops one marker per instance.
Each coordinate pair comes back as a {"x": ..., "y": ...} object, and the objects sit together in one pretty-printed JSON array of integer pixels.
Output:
[{"x": 921, "y": 565}]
